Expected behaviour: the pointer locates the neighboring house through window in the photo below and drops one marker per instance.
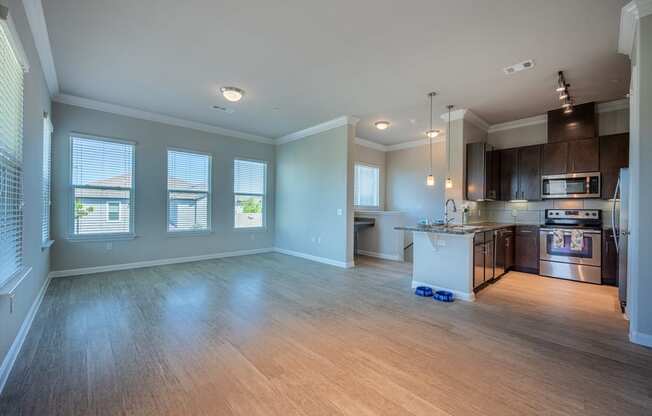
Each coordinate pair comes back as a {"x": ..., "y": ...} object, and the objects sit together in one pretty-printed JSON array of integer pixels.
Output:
[
  {"x": 249, "y": 188},
  {"x": 366, "y": 188},
  {"x": 102, "y": 187},
  {"x": 189, "y": 191}
]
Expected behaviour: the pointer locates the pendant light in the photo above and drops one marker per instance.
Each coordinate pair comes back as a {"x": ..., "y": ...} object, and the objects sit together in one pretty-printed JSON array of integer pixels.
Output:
[
  {"x": 430, "y": 179},
  {"x": 449, "y": 181}
]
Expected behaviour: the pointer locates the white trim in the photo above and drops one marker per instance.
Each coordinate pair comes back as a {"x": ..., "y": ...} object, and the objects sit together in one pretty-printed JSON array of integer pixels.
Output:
[
  {"x": 416, "y": 143},
  {"x": 469, "y": 297},
  {"x": 615, "y": 105},
  {"x": 370, "y": 144},
  {"x": 12, "y": 354},
  {"x": 156, "y": 117},
  {"x": 319, "y": 128},
  {"x": 14, "y": 39},
  {"x": 158, "y": 262},
  {"x": 629, "y": 16},
  {"x": 640, "y": 338},
  {"x": 384, "y": 256},
  {"x": 529, "y": 121},
  {"x": 337, "y": 263},
  {"x": 39, "y": 29},
  {"x": 470, "y": 116}
]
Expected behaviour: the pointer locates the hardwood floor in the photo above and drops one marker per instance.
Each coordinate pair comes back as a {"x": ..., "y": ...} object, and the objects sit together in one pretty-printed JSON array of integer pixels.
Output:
[{"x": 276, "y": 335}]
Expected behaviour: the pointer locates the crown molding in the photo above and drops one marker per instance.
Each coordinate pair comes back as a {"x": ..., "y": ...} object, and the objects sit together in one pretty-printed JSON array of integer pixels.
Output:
[
  {"x": 311, "y": 131},
  {"x": 156, "y": 117},
  {"x": 629, "y": 16},
  {"x": 415, "y": 143},
  {"x": 39, "y": 29},
  {"x": 370, "y": 144},
  {"x": 468, "y": 115},
  {"x": 529, "y": 121},
  {"x": 616, "y": 105}
]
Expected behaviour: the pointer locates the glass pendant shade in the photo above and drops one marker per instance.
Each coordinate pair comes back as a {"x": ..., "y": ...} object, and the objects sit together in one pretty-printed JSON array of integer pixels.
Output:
[
  {"x": 449, "y": 183},
  {"x": 430, "y": 180}
]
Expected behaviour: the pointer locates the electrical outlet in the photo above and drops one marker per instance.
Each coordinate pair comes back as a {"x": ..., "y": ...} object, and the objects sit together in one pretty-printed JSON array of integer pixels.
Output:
[
  {"x": 253, "y": 237},
  {"x": 441, "y": 243},
  {"x": 109, "y": 246},
  {"x": 339, "y": 212},
  {"x": 313, "y": 239},
  {"x": 319, "y": 240}
]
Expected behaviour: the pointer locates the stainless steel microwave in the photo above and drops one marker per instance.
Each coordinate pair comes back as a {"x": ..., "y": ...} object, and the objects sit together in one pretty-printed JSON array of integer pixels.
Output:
[{"x": 572, "y": 185}]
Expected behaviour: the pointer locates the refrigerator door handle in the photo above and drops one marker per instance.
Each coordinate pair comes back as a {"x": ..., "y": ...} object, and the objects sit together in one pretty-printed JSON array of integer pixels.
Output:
[{"x": 615, "y": 230}]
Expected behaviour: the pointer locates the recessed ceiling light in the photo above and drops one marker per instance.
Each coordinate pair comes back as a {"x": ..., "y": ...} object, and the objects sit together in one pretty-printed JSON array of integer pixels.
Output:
[
  {"x": 382, "y": 125},
  {"x": 232, "y": 94}
]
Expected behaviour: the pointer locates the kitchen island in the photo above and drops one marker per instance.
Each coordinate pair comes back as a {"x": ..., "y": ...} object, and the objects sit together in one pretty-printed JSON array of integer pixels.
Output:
[{"x": 443, "y": 256}]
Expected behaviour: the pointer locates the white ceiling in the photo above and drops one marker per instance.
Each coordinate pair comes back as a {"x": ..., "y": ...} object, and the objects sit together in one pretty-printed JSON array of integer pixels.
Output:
[{"x": 302, "y": 63}]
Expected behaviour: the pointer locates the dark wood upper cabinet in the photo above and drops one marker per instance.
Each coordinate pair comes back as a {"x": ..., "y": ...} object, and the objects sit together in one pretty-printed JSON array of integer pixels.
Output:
[
  {"x": 580, "y": 124},
  {"x": 529, "y": 173},
  {"x": 482, "y": 170},
  {"x": 614, "y": 155},
  {"x": 508, "y": 174},
  {"x": 554, "y": 158},
  {"x": 584, "y": 155}
]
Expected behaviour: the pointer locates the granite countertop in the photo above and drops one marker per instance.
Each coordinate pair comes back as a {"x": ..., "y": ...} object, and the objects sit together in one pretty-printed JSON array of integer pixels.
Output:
[{"x": 457, "y": 229}]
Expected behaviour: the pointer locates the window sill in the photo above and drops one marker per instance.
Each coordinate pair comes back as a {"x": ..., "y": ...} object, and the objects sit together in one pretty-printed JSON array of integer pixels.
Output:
[
  {"x": 9, "y": 287},
  {"x": 101, "y": 238},
  {"x": 46, "y": 244},
  {"x": 189, "y": 233},
  {"x": 260, "y": 229}
]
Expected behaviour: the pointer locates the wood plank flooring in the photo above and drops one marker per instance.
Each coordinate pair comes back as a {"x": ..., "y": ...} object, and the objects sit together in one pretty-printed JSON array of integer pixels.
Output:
[{"x": 276, "y": 335}]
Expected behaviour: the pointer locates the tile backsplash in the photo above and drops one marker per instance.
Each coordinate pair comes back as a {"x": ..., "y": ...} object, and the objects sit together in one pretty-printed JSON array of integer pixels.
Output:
[{"x": 534, "y": 212}]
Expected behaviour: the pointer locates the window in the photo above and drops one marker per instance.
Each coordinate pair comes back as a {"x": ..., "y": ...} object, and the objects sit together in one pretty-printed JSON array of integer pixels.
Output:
[
  {"x": 366, "y": 186},
  {"x": 11, "y": 158},
  {"x": 45, "y": 184},
  {"x": 113, "y": 211},
  {"x": 189, "y": 191},
  {"x": 249, "y": 184},
  {"x": 102, "y": 180}
]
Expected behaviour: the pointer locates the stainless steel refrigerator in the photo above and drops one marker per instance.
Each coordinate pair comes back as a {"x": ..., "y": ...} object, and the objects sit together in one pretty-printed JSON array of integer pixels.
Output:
[{"x": 620, "y": 221}]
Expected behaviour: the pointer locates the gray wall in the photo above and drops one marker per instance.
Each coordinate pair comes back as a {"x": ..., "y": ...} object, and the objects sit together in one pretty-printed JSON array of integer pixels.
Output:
[
  {"x": 314, "y": 181},
  {"x": 640, "y": 240},
  {"x": 377, "y": 158},
  {"x": 37, "y": 101},
  {"x": 153, "y": 242}
]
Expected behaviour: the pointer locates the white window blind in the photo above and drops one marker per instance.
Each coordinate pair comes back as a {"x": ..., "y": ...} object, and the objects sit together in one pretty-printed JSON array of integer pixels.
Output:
[
  {"x": 189, "y": 191},
  {"x": 102, "y": 176},
  {"x": 366, "y": 186},
  {"x": 11, "y": 159},
  {"x": 45, "y": 184},
  {"x": 249, "y": 185}
]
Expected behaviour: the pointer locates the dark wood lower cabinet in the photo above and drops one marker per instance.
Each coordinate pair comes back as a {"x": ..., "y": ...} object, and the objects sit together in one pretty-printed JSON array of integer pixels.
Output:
[
  {"x": 609, "y": 259},
  {"x": 526, "y": 250},
  {"x": 504, "y": 251}
]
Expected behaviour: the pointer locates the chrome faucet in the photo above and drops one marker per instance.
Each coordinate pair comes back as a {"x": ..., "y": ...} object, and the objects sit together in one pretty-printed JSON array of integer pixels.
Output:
[{"x": 446, "y": 219}]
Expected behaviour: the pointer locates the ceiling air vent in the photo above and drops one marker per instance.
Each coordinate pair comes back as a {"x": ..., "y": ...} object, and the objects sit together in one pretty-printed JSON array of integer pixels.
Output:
[
  {"x": 223, "y": 109},
  {"x": 521, "y": 66}
]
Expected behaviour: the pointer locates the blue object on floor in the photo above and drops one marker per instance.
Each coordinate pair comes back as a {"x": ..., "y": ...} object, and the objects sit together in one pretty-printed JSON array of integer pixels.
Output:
[
  {"x": 443, "y": 296},
  {"x": 423, "y": 291}
]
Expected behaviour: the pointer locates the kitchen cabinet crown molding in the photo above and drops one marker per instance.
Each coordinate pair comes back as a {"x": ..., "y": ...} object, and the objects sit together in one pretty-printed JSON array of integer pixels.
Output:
[{"x": 468, "y": 115}]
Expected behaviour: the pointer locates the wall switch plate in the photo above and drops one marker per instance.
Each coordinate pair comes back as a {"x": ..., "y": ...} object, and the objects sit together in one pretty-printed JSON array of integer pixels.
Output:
[
  {"x": 109, "y": 246},
  {"x": 514, "y": 213},
  {"x": 339, "y": 211},
  {"x": 313, "y": 239},
  {"x": 441, "y": 243},
  {"x": 319, "y": 240}
]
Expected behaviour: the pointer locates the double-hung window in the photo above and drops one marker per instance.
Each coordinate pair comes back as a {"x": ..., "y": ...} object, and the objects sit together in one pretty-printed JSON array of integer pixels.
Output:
[
  {"x": 249, "y": 188},
  {"x": 366, "y": 188},
  {"x": 46, "y": 179},
  {"x": 102, "y": 187},
  {"x": 11, "y": 158},
  {"x": 189, "y": 191}
]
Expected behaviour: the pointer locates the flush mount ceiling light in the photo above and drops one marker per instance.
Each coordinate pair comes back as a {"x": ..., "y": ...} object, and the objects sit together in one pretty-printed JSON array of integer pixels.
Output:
[
  {"x": 381, "y": 125},
  {"x": 232, "y": 94},
  {"x": 432, "y": 133}
]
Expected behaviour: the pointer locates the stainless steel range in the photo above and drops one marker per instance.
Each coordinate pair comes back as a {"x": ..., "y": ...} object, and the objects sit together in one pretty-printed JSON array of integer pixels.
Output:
[{"x": 570, "y": 245}]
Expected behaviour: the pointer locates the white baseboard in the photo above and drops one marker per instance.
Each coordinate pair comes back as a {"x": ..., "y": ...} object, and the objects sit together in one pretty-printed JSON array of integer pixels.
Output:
[
  {"x": 337, "y": 263},
  {"x": 640, "y": 338},
  {"x": 12, "y": 354},
  {"x": 393, "y": 257},
  {"x": 469, "y": 297},
  {"x": 159, "y": 262}
]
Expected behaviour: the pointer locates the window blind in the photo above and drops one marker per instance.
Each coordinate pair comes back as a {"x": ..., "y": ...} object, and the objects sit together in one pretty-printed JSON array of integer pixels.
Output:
[
  {"x": 366, "y": 186},
  {"x": 189, "y": 191},
  {"x": 249, "y": 180},
  {"x": 102, "y": 175},
  {"x": 11, "y": 144},
  {"x": 46, "y": 180}
]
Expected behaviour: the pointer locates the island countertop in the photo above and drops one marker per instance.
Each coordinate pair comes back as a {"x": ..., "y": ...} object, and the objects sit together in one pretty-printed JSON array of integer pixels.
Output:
[{"x": 457, "y": 229}]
